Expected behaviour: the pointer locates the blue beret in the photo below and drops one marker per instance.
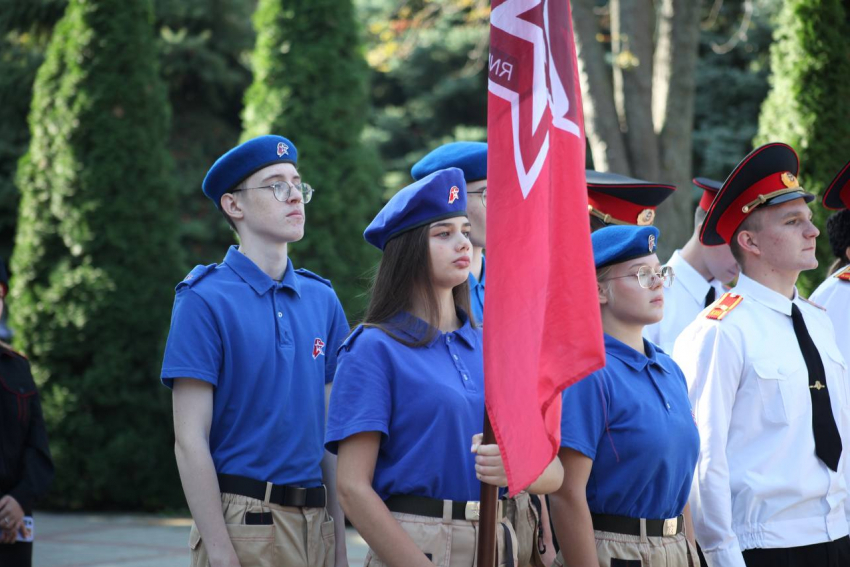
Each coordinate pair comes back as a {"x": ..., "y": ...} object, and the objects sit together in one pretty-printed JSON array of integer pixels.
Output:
[
  {"x": 245, "y": 159},
  {"x": 470, "y": 157},
  {"x": 620, "y": 243},
  {"x": 440, "y": 195}
]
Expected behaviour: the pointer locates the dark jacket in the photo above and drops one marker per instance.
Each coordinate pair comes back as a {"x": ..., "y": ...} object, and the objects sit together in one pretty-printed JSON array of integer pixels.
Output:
[{"x": 26, "y": 469}]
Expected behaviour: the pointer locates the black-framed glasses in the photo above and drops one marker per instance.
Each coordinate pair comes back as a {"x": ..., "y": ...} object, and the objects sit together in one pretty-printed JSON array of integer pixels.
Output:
[
  {"x": 649, "y": 278},
  {"x": 483, "y": 194},
  {"x": 283, "y": 190}
]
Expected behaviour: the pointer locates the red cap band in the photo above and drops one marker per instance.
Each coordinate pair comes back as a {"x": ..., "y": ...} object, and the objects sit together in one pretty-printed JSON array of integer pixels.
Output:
[
  {"x": 734, "y": 215},
  {"x": 623, "y": 211}
]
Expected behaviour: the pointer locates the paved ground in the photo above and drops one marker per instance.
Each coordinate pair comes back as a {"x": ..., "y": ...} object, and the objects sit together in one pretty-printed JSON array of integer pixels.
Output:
[{"x": 89, "y": 540}]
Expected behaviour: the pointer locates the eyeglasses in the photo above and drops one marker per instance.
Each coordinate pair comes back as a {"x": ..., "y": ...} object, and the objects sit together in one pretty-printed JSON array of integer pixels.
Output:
[
  {"x": 647, "y": 278},
  {"x": 283, "y": 190},
  {"x": 483, "y": 194}
]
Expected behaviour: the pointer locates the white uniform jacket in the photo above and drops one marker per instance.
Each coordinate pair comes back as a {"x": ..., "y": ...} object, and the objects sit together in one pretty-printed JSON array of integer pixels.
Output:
[{"x": 758, "y": 482}]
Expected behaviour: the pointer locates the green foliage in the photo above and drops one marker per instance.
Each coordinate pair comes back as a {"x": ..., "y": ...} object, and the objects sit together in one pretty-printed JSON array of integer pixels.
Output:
[
  {"x": 429, "y": 77},
  {"x": 310, "y": 86},
  {"x": 809, "y": 101},
  {"x": 204, "y": 47},
  {"x": 732, "y": 73},
  {"x": 96, "y": 254}
]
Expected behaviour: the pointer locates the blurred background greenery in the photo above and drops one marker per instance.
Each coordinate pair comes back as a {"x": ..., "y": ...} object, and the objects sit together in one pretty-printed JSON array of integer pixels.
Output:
[{"x": 112, "y": 111}]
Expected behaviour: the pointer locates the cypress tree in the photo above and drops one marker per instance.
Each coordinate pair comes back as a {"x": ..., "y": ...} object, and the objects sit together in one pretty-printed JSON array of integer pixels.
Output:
[
  {"x": 310, "y": 85},
  {"x": 95, "y": 259},
  {"x": 809, "y": 101}
]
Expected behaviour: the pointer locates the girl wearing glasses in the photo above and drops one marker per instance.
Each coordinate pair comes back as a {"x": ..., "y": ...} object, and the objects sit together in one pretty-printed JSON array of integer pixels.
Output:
[
  {"x": 408, "y": 393},
  {"x": 629, "y": 443}
]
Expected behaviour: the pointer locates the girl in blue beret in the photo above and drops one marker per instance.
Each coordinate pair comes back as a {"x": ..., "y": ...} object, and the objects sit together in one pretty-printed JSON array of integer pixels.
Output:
[
  {"x": 629, "y": 443},
  {"x": 408, "y": 397}
]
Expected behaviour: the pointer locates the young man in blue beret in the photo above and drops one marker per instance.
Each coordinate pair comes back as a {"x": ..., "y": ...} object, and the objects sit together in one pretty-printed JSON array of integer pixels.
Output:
[
  {"x": 768, "y": 385},
  {"x": 250, "y": 357}
]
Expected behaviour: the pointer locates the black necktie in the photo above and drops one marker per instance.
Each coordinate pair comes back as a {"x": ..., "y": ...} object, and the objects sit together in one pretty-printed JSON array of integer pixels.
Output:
[
  {"x": 710, "y": 296},
  {"x": 827, "y": 439}
]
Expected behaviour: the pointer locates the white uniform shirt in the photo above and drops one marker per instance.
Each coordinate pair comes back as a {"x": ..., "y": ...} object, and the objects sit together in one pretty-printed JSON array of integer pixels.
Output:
[
  {"x": 758, "y": 482},
  {"x": 683, "y": 301},
  {"x": 834, "y": 295}
]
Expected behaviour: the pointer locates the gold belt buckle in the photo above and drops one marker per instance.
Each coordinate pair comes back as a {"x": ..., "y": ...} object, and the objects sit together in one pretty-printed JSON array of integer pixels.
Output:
[
  {"x": 670, "y": 527},
  {"x": 473, "y": 511}
]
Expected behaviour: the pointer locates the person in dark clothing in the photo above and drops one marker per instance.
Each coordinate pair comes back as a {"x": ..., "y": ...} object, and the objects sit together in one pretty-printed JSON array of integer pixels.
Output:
[{"x": 26, "y": 469}]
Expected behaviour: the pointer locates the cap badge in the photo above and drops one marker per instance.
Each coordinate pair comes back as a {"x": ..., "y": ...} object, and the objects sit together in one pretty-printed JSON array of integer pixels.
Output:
[
  {"x": 282, "y": 149},
  {"x": 652, "y": 243},
  {"x": 789, "y": 180},
  {"x": 454, "y": 194},
  {"x": 646, "y": 217}
]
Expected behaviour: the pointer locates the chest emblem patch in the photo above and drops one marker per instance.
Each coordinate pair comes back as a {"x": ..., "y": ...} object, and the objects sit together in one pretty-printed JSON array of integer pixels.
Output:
[{"x": 318, "y": 348}]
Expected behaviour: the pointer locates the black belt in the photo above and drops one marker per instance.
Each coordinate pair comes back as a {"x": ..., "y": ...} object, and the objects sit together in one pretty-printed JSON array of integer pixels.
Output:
[
  {"x": 281, "y": 494},
  {"x": 431, "y": 507},
  {"x": 631, "y": 526}
]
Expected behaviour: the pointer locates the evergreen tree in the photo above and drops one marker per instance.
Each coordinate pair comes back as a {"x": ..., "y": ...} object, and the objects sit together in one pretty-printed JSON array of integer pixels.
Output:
[
  {"x": 24, "y": 32},
  {"x": 310, "y": 86},
  {"x": 96, "y": 257},
  {"x": 809, "y": 101},
  {"x": 203, "y": 48}
]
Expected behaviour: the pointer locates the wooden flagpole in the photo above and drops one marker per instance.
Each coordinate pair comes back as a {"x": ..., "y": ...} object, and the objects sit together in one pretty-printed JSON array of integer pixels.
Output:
[{"x": 487, "y": 514}]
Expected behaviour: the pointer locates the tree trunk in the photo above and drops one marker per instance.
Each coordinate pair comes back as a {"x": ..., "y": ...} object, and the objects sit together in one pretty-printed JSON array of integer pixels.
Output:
[
  {"x": 632, "y": 26},
  {"x": 600, "y": 115},
  {"x": 641, "y": 123},
  {"x": 674, "y": 86}
]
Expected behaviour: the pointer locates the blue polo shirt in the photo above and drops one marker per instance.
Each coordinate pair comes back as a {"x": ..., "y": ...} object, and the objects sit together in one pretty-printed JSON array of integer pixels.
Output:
[
  {"x": 269, "y": 348},
  {"x": 634, "y": 420},
  {"x": 476, "y": 293},
  {"x": 426, "y": 401}
]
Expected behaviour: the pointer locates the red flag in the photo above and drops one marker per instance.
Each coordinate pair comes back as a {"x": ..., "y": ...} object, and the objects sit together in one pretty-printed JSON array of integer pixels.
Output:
[{"x": 543, "y": 330}]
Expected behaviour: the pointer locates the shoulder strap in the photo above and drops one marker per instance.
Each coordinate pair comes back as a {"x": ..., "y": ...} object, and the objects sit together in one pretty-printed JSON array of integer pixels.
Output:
[{"x": 720, "y": 308}]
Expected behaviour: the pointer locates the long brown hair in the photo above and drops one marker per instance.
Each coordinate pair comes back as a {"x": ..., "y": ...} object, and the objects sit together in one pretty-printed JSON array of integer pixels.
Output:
[{"x": 403, "y": 278}]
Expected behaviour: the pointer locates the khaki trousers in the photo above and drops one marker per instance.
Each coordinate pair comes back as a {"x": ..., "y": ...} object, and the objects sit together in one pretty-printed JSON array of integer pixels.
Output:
[
  {"x": 298, "y": 537},
  {"x": 619, "y": 549},
  {"x": 451, "y": 543},
  {"x": 525, "y": 519}
]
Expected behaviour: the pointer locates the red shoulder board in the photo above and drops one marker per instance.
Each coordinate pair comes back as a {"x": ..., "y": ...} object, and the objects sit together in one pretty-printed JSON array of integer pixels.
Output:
[
  {"x": 844, "y": 274},
  {"x": 722, "y": 307}
]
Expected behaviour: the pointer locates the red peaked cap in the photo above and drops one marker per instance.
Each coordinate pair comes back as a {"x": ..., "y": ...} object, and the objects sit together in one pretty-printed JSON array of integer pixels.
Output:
[
  {"x": 617, "y": 199},
  {"x": 766, "y": 177},
  {"x": 709, "y": 187},
  {"x": 837, "y": 195}
]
